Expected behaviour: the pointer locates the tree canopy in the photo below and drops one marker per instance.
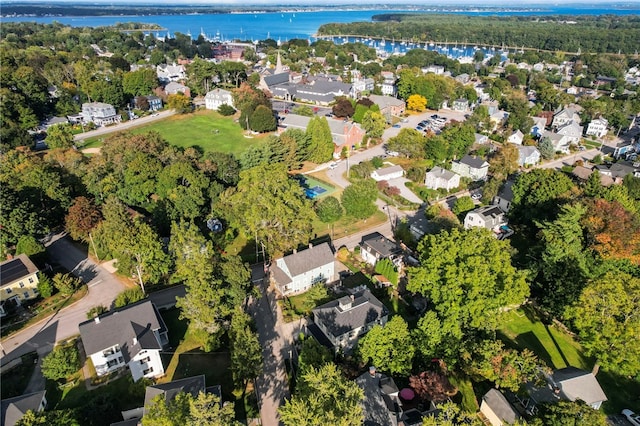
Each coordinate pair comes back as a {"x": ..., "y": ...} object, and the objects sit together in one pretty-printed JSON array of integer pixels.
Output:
[{"x": 389, "y": 347}]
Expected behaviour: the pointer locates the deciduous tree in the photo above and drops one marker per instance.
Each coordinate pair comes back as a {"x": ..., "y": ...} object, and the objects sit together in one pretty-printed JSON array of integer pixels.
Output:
[
  {"x": 432, "y": 386},
  {"x": 390, "y": 348},
  {"x": 358, "y": 199},
  {"x": 469, "y": 278},
  {"x": 59, "y": 136},
  {"x": 416, "y": 103},
  {"x": 62, "y": 362},
  {"x": 320, "y": 140},
  {"x": 607, "y": 317},
  {"x": 324, "y": 397},
  {"x": 329, "y": 209},
  {"x": 83, "y": 216},
  {"x": 205, "y": 409},
  {"x": 374, "y": 124},
  {"x": 271, "y": 206}
]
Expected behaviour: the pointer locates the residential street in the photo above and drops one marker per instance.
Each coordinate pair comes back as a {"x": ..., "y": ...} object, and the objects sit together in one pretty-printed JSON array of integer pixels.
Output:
[
  {"x": 276, "y": 338},
  {"x": 103, "y": 289},
  {"x": 124, "y": 126}
]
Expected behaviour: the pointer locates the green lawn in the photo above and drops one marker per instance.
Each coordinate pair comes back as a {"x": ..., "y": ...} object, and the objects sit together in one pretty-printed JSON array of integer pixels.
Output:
[
  {"x": 208, "y": 130},
  {"x": 557, "y": 349},
  {"x": 523, "y": 329}
]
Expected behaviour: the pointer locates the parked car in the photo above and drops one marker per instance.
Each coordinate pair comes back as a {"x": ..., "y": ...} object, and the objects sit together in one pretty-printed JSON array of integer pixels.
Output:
[
  {"x": 397, "y": 126},
  {"x": 476, "y": 196},
  {"x": 392, "y": 153},
  {"x": 632, "y": 417},
  {"x": 332, "y": 166}
]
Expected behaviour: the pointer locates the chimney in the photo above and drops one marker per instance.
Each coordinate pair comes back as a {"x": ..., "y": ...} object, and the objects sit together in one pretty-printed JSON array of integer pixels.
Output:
[
  {"x": 295, "y": 251},
  {"x": 97, "y": 319},
  {"x": 352, "y": 299},
  {"x": 135, "y": 341}
]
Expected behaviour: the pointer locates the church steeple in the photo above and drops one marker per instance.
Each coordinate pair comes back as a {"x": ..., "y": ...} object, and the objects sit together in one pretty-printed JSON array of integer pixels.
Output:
[{"x": 278, "y": 65}]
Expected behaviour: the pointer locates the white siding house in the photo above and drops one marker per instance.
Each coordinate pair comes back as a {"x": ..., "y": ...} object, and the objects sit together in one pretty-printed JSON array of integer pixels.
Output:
[
  {"x": 217, "y": 97},
  {"x": 387, "y": 173},
  {"x": 99, "y": 113},
  {"x": 129, "y": 337},
  {"x": 598, "y": 127},
  {"x": 475, "y": 168},
  {"x": 297, "y": 272},
  {"x": 18, "y": 282},
  {"x": 343, "y": 321},
  {"x": 441, "y": 178}
]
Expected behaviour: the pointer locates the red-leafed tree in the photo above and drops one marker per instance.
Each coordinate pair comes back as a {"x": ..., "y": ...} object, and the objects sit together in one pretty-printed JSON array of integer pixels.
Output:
[
  {"x": 343, "y": 108},
  {"x": 432, "y": 386},
  {"x": 612, "y": 231},
  {"x": 82, "y": 217}
]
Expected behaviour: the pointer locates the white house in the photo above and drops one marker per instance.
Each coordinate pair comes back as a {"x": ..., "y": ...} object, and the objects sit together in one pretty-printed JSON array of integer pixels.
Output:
[
  {"x": 387, "y": 173},
  {"x": 299, "y": 271},
  {"x": 167, "y": 73},
  {"x": 472, "y": 167},
  {"x": 388, "y": 85},
  {"x": 516, "y": 137},
  {"x": 497, "y": 409},
  {"x": 490, "y": 217},
  {"x": 572, "y": 130},
  {"x": 131, "y": 337},
  {"x": 505, "y": 196},
  {"x": 343, "y": 321},
  {"x": 560, "y": 142},
  {"x": 441, "y": 178},
  {"x": 18, "y": 282},
  {"x": 99, "y": 113},
  {"x": 217, "y": 97},
  {"x": 567, "y": 115},
  {"x": 528, "y": 156},
  {"x": 375, "y": 246},
  {"x": 598, "y": 127}
]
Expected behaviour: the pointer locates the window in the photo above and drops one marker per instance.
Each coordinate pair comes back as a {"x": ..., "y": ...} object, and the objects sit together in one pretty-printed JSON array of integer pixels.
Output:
[
  {"x": 9, "y": 291},
  {"x": 145, "y": 360},
  {"x": 26, "y": 294},
  {"x": 21, "y": 284},
  {"x": 30, "y": 280},
  {"x": 147, "y": 371}
]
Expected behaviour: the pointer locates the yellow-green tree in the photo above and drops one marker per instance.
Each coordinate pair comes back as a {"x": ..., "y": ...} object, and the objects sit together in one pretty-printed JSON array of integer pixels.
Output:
[{"x": 416, "y": 103}]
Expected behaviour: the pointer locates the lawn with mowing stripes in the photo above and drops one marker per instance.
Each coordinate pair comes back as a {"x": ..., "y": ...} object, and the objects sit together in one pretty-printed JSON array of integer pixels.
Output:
[{"x": 206, "y": 129}]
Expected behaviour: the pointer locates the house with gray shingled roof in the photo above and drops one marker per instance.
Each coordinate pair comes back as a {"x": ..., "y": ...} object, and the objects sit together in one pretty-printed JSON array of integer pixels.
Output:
[
  {"x": 381, "y": 403},
  {"x": 375, "y": 247},
  {"x": 297, "y": 272},
  {"x": 343, "y": 321},
  {"x": 472, "y": 167},
  {"x": 490, "y": 217},
  {"x": 129, "y": 337},
  {"x": 569, "y": 384},
  {"x": 497, "y": 409},
  {"x": 13, "y": 409}
]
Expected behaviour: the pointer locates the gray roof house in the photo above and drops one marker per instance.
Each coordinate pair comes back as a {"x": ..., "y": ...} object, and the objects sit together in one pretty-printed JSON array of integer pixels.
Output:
[
  {"x": 472, "y": 167},
  {"x": 528, "y": 156},
  {"x": 382, "y": 406},
  {"x": 572, "y": 130},
  {"x": 343, "y": 321},
  {"x": 375, "y": 246},
  {"x": 13, "y": 409},
  {"x": 297, "y": 272},
  {"x": 387, "y": 173},
  {"x": 441, "y": 178},
  {"x": 388, "y": 104},
  {"x": 490, "y": 217},
  {"x": 505, "y": 196},
  {"x": 569, "y": 384},
  {"x": 99, "y": 113},
  {"x": 132, "y": 337},
  {"x": 497, "y": 409},
  {"x": 565, "y": 116},
  {"x": 18, "y": 282}
]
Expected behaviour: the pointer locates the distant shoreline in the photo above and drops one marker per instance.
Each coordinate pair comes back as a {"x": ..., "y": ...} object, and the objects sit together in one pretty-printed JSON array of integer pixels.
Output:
[{"x": 124, "y": 10}]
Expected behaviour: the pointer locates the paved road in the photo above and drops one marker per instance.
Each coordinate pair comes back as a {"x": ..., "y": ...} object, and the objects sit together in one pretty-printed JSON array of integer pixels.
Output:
[
  {"x": 124, "y": 126},
  {"x": 569, "y": 160},
  {"x": 276, "y": 338},
  {"x": 103, "y": 289}
]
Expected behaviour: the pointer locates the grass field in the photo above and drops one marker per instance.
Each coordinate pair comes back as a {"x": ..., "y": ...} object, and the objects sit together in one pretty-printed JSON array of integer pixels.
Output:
[
  {"x": 207, "y": 130},
  {"x": 523, "y": 329}
]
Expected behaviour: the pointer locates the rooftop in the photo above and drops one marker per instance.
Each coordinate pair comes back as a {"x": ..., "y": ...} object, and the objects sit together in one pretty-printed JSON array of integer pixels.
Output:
[
  {"x": 346, "y": 314},
  {"x": 15, "y": 269}
]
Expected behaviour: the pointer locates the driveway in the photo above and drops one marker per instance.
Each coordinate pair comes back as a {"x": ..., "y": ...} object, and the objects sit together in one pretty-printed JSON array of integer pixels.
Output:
[
  {"x": 103, "y": 289},
  {"x": 405, "y": 192},
  {"x": 124, "y": 126}
]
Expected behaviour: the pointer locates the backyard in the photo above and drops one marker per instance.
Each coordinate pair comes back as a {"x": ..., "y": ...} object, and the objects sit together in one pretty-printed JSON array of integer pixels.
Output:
[
  {"x": 205, "y": 129},
  {"x": 523, "y": 328}
]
